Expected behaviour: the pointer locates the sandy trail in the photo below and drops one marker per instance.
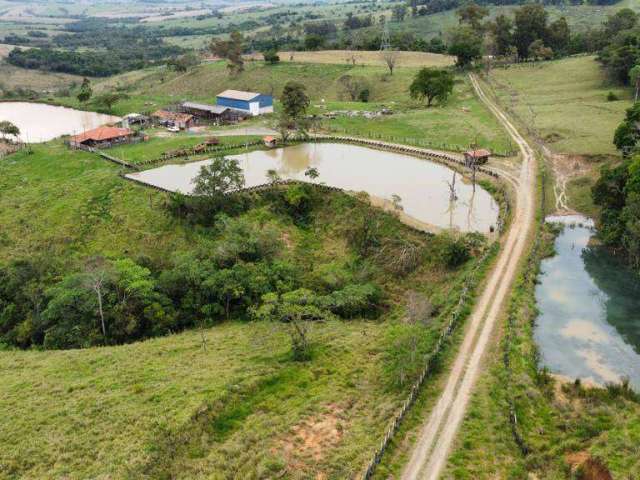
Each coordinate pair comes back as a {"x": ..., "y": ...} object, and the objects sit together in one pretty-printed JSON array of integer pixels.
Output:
[{"x": 439, "y": 431}]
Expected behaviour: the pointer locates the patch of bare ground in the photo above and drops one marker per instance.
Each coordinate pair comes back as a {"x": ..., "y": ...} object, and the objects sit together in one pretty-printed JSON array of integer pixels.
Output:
[
  {"x": 309, "y": 440},
  {"x": 585, "y": 467}
]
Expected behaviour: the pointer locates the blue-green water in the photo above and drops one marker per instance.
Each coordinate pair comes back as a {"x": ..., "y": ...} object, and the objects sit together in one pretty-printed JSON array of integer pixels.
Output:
[{"x": 589, "y": 303}]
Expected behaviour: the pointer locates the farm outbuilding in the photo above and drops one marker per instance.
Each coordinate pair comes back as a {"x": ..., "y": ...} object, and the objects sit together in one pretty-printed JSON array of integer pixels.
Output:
[
  {"x": 103, "y": 137},
  {"x": 476, "y": 157},
  {"x": 248, "y": 102},
  {"x": 214, "y": 113},
  {"x": 167, "y": 118}
]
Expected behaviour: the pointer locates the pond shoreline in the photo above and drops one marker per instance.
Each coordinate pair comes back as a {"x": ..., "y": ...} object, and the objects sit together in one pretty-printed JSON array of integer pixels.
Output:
[{"x": 419, "y": 182}]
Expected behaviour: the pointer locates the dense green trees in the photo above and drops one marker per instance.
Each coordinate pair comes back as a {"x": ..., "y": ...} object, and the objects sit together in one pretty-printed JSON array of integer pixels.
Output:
[
  {"x": 244, "y": 271},
  {"x": 466, "y": 45},
  {"x": 617, "y": 192},
  {"x": 99, "y": 52}
]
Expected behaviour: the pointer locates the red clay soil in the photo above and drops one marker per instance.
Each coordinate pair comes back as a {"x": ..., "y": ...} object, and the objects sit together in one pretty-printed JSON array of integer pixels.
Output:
[{"x": 589, "y": 467}]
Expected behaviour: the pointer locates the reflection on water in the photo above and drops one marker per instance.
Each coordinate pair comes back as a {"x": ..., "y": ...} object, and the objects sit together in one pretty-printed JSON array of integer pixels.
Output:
[
  {"x": 39, "y": 122},
  {"x": 421, "y": 184},
  {"x": 589, "y": 303}
]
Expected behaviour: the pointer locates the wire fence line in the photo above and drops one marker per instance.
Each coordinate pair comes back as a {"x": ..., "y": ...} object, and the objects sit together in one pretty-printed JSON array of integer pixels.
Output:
[
  {"x": 457, "y": 315},
  {"x": 422, "y": 142}
]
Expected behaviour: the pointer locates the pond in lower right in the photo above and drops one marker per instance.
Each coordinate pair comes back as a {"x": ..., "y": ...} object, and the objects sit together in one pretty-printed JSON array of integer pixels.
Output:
[{"x": 588, "y": 325}]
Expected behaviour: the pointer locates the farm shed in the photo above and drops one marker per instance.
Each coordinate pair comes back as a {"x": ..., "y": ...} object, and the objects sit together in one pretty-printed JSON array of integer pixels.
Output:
[
  {"x": 134, "y": 119},
  {"x": 248, "y": 102},
  {"x": 180, "y": 120},
  {"x": 269, "y": 141},
  {"x": 103, "y": 137},
  {"x": 476, "y": 157},
  {"x": 215, "y": 113}
]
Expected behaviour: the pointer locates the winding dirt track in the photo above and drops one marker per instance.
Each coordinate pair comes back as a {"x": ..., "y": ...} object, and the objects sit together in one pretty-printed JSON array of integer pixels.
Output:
[{"x": 439, "y": 431}]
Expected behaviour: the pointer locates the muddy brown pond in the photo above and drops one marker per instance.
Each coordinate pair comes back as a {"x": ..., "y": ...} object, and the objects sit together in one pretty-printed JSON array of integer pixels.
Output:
[
  {"x": 589, "y": 303},
  {"x": 39, "y": 122},
  {"x": 422, "y": 185}
]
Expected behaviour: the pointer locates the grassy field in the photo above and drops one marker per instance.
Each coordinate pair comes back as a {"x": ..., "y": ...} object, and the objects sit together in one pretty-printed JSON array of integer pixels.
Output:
[
  {"x": 14, "y": 77},
  {"x": 565, "y": 101},
  {"x": 72, "y": 204},
  {"x": 156, "y": 146},
  {"x": 111, "y": 412},
  {"x": 462, "y": 121},
  {"x": 369, "y": 58}
]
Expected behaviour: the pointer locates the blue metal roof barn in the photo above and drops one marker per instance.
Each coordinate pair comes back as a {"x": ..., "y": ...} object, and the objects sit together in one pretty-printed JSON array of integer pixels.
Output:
[{"x": 249, "y": 102}]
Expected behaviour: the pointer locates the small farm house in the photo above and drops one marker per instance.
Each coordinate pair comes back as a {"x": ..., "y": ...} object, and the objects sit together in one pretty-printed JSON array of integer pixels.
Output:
[
  {"x": 248, "y": 102},
  {"x": 102, "y": 137}
]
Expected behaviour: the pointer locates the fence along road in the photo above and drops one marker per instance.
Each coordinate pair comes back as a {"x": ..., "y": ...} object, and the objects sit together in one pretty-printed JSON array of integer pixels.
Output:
[{"x": 439, "y": 430}]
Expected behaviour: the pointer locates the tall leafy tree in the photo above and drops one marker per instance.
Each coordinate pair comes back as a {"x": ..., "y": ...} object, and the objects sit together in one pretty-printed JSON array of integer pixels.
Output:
[
  {"x": 530, "y": 25},
  {"x": 502, "y": 31},
  {"x": 295, "y": 103},
  {"x": 466, "y": 45},
  {"x": 558, "y": 36},
  {"x": 431, "y": 84},
  {"x": 472, "y": 14},
  {"x": 85, "y": 91},
  {"x": 231, "y": 50},
  {"x": 221, "y": 176}
]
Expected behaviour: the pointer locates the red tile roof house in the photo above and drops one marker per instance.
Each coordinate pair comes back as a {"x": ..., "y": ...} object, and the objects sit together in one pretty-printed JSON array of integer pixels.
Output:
[{"x": 103, "y": 137}]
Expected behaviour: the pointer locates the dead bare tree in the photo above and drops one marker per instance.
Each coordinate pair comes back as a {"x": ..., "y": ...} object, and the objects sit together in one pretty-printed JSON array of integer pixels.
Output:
[
  {"x": 452, "y": 189},
  {"x": 390, "y": 57},
  {"x": 96, "y": 277}
]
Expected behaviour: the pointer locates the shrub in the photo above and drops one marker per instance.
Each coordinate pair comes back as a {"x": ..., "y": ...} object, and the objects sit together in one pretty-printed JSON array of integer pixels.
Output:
[{"x": 612, "y": 97}]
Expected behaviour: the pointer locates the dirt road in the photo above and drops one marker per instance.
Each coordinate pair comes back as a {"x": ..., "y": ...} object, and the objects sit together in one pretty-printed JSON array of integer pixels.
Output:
[{"x": 439, "y": 431}]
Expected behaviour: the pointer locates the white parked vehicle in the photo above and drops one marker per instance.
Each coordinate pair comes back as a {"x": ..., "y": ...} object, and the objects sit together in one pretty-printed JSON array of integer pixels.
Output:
[{"x": 173, "y": 129}]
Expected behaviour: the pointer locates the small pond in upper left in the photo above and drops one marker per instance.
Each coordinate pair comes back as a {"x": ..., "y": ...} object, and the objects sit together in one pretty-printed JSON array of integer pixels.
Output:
[{"x": 39, "y": 122}]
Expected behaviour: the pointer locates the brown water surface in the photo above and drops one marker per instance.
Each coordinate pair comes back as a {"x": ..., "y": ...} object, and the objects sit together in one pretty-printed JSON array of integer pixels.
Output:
[
  {"x": 422, "y": 185},
  {"x": 39, "y": 122}
]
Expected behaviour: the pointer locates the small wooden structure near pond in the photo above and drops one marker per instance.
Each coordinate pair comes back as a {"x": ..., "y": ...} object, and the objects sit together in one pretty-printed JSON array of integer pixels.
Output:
[
  {"x": 270, "y": 141},
  {"x": 476, "y": 157}
]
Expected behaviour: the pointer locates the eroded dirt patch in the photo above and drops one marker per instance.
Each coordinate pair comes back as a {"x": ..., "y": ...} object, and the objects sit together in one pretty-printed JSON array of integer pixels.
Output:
[
  {"x": 308, "y": 441},
  {"x": 584, "y": 466}
]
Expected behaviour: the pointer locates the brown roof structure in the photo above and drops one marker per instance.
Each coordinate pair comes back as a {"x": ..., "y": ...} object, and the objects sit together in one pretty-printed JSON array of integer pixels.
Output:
[
  {"x": 102, "y": 134},
  {"x": 172, "y": 116},
  {"x": 480, "y": 153}
]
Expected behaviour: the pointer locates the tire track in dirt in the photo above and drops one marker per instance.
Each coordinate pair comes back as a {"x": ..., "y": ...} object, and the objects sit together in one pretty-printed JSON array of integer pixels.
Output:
[{"x": 439, "y": 431}]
